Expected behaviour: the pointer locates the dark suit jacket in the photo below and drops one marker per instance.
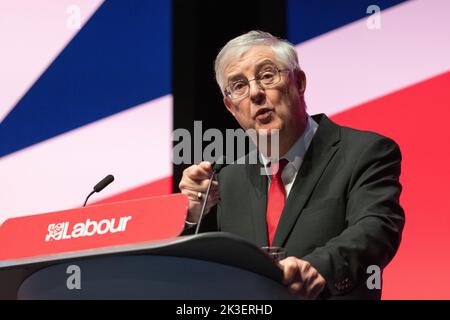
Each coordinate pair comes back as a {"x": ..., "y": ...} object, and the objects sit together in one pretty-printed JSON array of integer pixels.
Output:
[{"x": 342, "y": 213}]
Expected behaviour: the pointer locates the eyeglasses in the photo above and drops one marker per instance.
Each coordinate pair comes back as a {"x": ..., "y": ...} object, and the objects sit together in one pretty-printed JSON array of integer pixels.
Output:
[{"x": 265, "y": 79}]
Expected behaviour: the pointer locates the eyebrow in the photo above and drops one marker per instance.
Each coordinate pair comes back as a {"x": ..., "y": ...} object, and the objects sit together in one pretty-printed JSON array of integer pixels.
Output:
[
  {"x": 258, "y": 67},
  {"x": 263, "y": 63}
]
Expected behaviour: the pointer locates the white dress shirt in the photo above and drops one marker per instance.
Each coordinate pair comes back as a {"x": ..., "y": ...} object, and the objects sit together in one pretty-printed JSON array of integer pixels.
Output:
[{"x": 295, "y": 156}]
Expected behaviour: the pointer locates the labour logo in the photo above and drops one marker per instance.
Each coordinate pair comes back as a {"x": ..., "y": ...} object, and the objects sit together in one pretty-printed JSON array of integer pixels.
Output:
[{"x": 55, "y": 231}]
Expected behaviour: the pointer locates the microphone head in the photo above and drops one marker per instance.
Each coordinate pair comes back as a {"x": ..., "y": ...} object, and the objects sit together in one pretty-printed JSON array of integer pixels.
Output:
[
  {"x": 219, "y": 164},
  {"x": 102, "y": 184}
]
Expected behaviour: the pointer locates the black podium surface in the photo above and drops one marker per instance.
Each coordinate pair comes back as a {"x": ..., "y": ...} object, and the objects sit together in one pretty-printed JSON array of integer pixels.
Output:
[{"x": 214, "y": 265}]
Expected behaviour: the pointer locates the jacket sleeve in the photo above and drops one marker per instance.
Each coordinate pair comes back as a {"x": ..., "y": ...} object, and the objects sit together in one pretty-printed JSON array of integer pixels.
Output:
[
  {"x": 209, "y": 224},
  {"x": 374, "y": 220}
]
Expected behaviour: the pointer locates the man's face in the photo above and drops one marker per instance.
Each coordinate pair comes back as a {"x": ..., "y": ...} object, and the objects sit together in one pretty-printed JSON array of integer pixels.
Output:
[{"x": 278, "y": 107}]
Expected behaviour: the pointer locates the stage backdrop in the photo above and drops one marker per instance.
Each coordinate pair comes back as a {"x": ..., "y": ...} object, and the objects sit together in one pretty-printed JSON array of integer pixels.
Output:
[
  {"x": 389, "y": 73},
  {"x": 85, "y": 91}
]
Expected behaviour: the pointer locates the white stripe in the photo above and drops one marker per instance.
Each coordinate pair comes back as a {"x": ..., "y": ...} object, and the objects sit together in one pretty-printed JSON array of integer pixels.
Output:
[
  {"x": 353, "y": 64},
  {"x": 134, "y": 145}
]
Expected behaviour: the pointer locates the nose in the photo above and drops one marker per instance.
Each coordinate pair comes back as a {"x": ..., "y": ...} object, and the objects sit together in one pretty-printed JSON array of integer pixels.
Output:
[{"x": 256, "y": 93}]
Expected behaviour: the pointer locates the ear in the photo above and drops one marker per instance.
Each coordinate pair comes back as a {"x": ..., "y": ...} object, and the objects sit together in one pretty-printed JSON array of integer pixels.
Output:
[
  {"x": 300, "y": 78},
  {"x": 228, "y": 104}
]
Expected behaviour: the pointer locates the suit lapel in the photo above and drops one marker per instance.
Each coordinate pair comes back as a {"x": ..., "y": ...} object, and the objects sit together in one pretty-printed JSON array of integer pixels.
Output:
[
  {"x": 320, "y": 152},
  {"x": 258, "y": 201}
]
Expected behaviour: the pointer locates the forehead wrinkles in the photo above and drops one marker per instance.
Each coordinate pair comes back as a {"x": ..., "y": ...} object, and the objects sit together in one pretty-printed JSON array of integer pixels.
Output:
[{"x": 248, "y": 61}]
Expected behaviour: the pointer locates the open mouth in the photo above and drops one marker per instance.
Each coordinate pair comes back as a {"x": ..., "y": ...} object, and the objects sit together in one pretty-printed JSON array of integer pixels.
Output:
[{"x": 264, "y": 115}]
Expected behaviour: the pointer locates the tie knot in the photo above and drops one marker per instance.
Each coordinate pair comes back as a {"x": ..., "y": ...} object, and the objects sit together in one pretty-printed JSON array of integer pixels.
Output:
[{"x": 277, "y": 168}]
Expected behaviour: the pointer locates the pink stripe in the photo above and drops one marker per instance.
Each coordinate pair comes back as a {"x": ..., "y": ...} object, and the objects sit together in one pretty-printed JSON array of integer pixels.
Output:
[
  {"x": 134, "y": 145},
  {"x": 353, "y": 64}
]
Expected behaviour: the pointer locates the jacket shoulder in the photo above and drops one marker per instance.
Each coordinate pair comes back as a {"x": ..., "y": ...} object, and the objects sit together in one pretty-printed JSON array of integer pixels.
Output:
[{"x": 358, "y": 140}]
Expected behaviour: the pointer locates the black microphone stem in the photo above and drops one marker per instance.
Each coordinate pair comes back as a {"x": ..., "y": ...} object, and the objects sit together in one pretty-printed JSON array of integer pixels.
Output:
[
  {"x": 90, "y": 194},
  {"x": 100, "y": 186},
  {"x": 204, "y": 202}
]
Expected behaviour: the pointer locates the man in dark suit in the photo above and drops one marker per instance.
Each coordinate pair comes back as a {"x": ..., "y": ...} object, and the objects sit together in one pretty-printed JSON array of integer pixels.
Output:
[{"x": 330, "y": 197}]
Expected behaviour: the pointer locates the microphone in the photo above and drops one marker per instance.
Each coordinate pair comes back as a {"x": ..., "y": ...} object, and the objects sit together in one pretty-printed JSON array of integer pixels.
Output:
[
  {"x": 216, "y": 167},
  {"x": 100, "y": 186}
]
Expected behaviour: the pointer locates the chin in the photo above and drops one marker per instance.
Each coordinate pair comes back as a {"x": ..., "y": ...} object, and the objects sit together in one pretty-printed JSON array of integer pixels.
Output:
[{"x": 269, "y": 128}]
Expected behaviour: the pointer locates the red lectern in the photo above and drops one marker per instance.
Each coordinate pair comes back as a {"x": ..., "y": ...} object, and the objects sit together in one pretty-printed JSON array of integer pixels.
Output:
[{"x": 129, "y": 250}]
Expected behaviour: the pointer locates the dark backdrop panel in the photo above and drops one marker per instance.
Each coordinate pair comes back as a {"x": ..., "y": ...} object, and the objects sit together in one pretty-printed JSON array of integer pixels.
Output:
[{"x": 200, "y": 30}]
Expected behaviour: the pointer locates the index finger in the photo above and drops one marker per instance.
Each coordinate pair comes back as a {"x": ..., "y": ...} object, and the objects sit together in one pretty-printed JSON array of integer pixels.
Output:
[{"x": 199, "y": 172}]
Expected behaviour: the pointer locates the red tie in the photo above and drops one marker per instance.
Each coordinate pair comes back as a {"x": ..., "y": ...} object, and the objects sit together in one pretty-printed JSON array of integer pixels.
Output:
[{"x": 276, "y": 198}]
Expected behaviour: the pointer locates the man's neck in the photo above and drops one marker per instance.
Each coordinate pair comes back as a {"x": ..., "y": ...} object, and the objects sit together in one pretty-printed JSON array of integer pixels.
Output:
[
  {"x": 289, "y": 139},
  {"x": 285, "y": 141}
]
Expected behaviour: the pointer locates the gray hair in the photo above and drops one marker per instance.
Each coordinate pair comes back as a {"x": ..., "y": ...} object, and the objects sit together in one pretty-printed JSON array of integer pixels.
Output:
[{"x": 235, "y": 48}]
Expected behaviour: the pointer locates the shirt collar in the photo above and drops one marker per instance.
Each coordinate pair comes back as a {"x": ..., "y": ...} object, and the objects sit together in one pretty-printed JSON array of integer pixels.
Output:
[{"x": 297, "y": 152}]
